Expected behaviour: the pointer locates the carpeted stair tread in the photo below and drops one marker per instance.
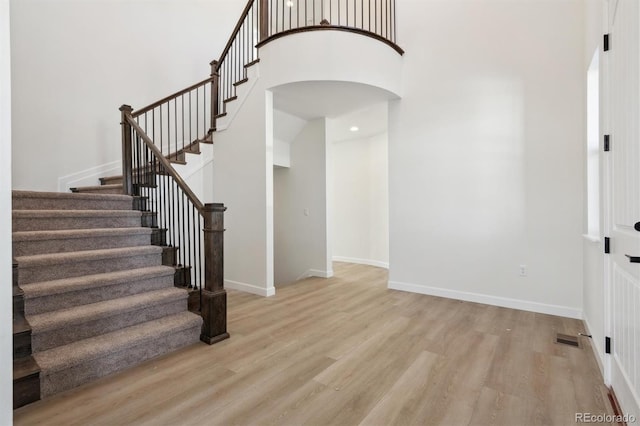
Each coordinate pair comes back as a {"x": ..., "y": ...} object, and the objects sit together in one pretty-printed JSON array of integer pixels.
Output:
[
  {"x": 44, "y": 220},
  {"x": 84, "y": 313},
  {"x": 77, "y": 233},
  {"x": 94, "y": 348},
  {"x": 54, "y": 266},
  {"x": 48, "y": 296},
  {"x": 74, "y": 213},
  {"x": 86, "y": 282},
  {"x": 67, "y": 240},
  {"x": 83, "y": 256},
  {"x": 27, "y": 200}
]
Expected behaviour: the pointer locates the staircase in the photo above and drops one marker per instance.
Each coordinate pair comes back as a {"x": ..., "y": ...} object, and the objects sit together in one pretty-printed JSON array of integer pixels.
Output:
[
  {"x": 108, "y": 276},
  {"x": 97, "y": 296}
]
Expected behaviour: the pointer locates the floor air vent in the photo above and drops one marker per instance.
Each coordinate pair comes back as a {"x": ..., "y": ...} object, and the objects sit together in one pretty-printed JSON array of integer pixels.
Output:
[{"x": 566, "y": 339}]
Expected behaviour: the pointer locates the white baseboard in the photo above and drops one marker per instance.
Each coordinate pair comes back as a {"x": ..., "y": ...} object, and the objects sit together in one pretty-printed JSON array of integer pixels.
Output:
[
  {"x": 249, "y": 288},
  {"x": 505, "y": 302},
  {"x": 376, "y": 263},
  {"x": 320, "y": 274},
  {"x": 316, "y": 273},
  {"x": 89, "y": 177}
]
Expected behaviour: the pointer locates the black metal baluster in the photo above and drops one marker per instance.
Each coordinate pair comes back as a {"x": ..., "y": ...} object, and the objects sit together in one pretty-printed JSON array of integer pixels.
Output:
[
  {"x": 149, "y": 178},
  {"x": 355, "y": 15},
  {"x": 161, "y": 139},
  {"x": 165, "y": 215},
  {"x": 204, "y": 112},
  {"x": 179, "y": 224},
  {"x": 182, "y": 117},
  {"x": 197, "y": 112},
  {"x": 347, "y": 12},
  {"x": 200, "y": 268},
  {"x": 188, "y": 237},
  {"x": 386, "y": 20}
]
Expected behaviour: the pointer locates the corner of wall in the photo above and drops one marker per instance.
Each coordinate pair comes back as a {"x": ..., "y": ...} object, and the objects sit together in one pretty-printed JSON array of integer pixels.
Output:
[{"x": 6, "y": 331}]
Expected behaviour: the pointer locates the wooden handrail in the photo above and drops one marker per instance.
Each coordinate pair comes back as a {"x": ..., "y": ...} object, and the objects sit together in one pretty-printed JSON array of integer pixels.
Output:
[
  {"x": 245, "y": 12},
  {"x": 166, "y": 164},
  {"x": 156, "y": 104}
]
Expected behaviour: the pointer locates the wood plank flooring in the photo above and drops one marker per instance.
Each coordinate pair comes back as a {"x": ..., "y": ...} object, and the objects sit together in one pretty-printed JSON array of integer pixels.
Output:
[{"x": 348, "y": 351}]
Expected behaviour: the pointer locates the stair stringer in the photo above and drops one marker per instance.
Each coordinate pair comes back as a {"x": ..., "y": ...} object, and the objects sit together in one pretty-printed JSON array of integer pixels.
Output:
[{"x": 242, "y": 92}]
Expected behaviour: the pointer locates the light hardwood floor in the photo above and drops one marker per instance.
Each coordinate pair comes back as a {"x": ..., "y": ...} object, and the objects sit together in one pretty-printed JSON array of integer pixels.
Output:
[{"x": 348, "y": 351}]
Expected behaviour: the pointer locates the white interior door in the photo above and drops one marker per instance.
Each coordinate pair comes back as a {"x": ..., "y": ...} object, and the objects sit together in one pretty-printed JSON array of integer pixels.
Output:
[{"x": 624, "y": 210}]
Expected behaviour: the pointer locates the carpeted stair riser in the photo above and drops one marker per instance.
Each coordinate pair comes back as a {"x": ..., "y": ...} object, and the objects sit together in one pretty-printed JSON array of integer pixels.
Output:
[
  {"x": 41, "y": 242},
  {"x": 29, "y": 200},
  {"x": 48, "y": 220},
  {"x": 59, "y": 328},
  {"x": 50, "y": 296},
  {"x": 69, "y": 366},
  {"x": 67, "y": 265}
]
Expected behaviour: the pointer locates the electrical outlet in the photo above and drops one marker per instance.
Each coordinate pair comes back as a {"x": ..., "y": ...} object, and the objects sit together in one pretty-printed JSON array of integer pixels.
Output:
[{"x": 523, "y": 270}]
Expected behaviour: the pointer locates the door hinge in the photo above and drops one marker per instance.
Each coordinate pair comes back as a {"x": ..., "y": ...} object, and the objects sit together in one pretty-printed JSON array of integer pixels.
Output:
[
  {"x": 606, "y": 42},
  {"x": 607, "y": 245},
  {"x": 607, "y": 345},
  {"x": 607, "y": 143}
]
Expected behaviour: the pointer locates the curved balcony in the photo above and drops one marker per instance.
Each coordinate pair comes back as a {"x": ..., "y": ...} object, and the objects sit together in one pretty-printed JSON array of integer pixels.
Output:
[
  {"x": 263, "y": 21},
  {"x": 371, "y": 18}
]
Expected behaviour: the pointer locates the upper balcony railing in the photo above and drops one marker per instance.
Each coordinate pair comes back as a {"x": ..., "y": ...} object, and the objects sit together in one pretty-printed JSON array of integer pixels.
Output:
[
  {"x": 374, "y": 18},
  {"x": 265, "y": 20}
]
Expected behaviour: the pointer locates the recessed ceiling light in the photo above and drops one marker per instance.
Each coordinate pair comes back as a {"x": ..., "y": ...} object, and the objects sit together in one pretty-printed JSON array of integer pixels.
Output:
[
  {"x": 290, "y": 3},
  {"x": 354, "y": 128}
]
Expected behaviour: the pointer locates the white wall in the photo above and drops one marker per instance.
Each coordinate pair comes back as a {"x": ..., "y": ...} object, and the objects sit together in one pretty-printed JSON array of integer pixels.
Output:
[
  {"x": 300, "y": 208},
  {"x": 75, "y": 62},
  {"x": 243, "y": 181},
  {"x": 593, "y": 248},
  {"x": 361, "y": 201},
  {"x": 6, "y": 331},
  {"x": 486, "y": 153},
  {"x": 285, "y": 129}
]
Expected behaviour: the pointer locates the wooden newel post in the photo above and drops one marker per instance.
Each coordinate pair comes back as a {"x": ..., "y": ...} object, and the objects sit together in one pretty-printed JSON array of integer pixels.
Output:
[
  {"x": 213, "y": 304},
  {"x": 264, "y": 19},
  {"x": 127, "y": 151},
  {"x": 215, "y": 87}
]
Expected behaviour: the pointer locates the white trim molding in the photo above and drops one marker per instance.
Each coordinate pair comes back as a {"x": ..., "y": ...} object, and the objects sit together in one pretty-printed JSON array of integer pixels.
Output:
[
  {"x": 89, "y": 177},
  {"x": 370, "y": 262},
  {"x": 505, "y": 302},
  {"x": 315, "y": 273},
  {"x": 250, "y": 288}
]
